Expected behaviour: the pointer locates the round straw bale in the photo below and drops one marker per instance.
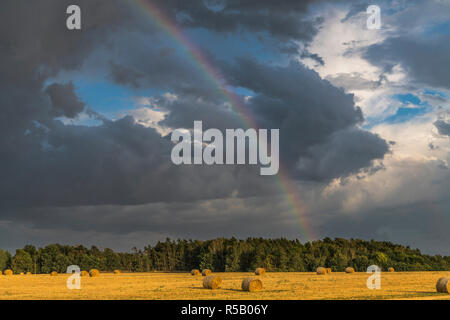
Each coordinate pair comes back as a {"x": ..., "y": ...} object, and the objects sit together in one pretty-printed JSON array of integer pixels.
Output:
[
  {"x": 116, "y": 271},
  {"x": 349, "y": 270},
  {"x": 391, "y": 269},
  {"x": 252, "y": 284},
  {"x": 443, "y": 285},
  {"x": 53, "y": 273},
  {"x": 321, "y": 270},
  {"x": 206, "y": 272},
  {"x": 195, "y": 272},
  {"x": 21, "y": 273},
  {"x": 94, "y": 273},
  {"x": 9, "y": 272},
  {"x": 212, "y": 282},
  {"x": 84, "y": 273},
  {"x": 260, "y": 271},
  {"x": 1, "y": 272},
  {"x": 329, "y": 270}
]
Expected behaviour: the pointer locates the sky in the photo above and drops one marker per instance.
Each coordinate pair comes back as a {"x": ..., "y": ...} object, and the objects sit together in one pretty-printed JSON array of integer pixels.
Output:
[{"x": 87, "y": 114}]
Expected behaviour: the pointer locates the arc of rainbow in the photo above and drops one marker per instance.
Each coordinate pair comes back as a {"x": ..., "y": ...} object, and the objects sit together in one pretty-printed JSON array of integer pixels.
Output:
[{"x": 196, "y": 55}]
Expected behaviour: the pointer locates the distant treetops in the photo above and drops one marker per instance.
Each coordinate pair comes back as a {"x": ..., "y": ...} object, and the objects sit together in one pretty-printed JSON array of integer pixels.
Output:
[{"x": 226, "y": 255}]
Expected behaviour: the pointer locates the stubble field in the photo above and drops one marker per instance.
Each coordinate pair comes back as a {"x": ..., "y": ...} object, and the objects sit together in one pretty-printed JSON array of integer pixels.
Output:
[{"x": 277, "y": 285}]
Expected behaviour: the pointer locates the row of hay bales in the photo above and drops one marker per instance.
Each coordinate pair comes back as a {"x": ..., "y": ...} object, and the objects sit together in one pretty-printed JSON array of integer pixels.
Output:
[
  {"x": 207, "y": 272},
  {"x": 254, "y": 284},
  {"x": 10, "y": 273},
  {"x": 248, "y": 284},
  {"x": 322, "y": 270},
  {"x": 84, "y": 273}
]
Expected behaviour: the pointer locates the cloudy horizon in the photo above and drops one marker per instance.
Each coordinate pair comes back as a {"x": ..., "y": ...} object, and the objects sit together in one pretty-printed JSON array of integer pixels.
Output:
[{"x": 363, "y": 115}]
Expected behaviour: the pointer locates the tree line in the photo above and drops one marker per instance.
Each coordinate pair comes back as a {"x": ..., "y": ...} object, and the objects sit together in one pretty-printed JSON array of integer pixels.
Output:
[{"x": 226, "y": 255}]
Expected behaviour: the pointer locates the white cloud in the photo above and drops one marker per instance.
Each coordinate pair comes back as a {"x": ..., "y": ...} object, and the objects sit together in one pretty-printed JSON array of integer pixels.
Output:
[
  {"x": 341, "y": 45},
  {"x": 417, "y": 169},
  {"x": 148, "y": 112},
  {"x": 414, "y": 172}
]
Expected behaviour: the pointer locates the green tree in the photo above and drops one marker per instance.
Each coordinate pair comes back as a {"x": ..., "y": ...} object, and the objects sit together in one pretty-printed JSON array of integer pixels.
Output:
[
  {"x": 228, "y": 255},
  {"x": 381, "y": 259},
  {"x": 22, "y": 261},
  {"x": 112, "y": 260},
  {"x": 207, "y": 261},
  {"x": 5, "y": 259}
]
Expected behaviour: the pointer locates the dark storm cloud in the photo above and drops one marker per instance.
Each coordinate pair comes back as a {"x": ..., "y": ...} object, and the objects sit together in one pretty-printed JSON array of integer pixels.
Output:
[
  {"x": 317, "y": 122},
  {"x": 44, "y": 161},
  {"x": 125, "y": 75},
  {"x": 344, "y": 153},
  {"x": 64, "y": 100},
  {"x": 154, "y": 217},
  {"x": 353, "y": 81},
  {"x": 283, "y": 19},
  {"x": 119, "y": 162},
  {"x": 47, "y": 166},
  {"x": 143, "y": 61},
  {"x": 307, "y": 109},
  {"x": 188, "y": 108},
  {"x": 126, "y": 226},
  {"x": 314, "y": 56},
  {"x": 35, "y": 44},
  {"x": 122, "y": 162},
  {"x": 419, "y": 224},
  {"x": 34, "y": 34},
  {"x": 319, "y": 137},
  {"x": 424, "y": 58},
  {"x": 443, "y": 127}
]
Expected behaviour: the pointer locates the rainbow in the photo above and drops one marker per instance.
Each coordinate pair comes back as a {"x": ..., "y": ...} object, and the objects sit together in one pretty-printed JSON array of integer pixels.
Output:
[{"x": 193, "y": 53}]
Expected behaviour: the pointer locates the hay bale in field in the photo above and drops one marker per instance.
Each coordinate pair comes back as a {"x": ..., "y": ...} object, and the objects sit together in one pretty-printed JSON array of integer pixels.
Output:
[
  {"x": 391, "y": 269},
  {"x": 116, "y": 271},
  {"x": 321, "y": 270},
  {"x": 206, "y": 272},
  {"x": 212, "y": 282},
  {"x": 94, "y": 273},
  {"x": 349, "y": 270},
  {"x": 252, "y": 284},
  {"x": 9, "y": 272},
  {"x": 443, "y": 285},
  {"x": 21, "y": 273},
  {"x": 53, "y": 274},
  {"x": 260, "y": 271},
  {"x": 84, "y": 273},
  {"x": 1, "y": 272},
  {"x": 195, "y": 272},
  {"x": 329, "y": 270}
]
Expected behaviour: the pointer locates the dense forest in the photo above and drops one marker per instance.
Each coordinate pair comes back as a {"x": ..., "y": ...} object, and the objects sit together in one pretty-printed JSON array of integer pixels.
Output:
[{"x": 226, "y": 255}]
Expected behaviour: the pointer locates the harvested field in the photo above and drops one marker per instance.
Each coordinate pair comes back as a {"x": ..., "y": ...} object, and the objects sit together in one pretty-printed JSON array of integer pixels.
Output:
[{"x": 277, "y": 285}]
